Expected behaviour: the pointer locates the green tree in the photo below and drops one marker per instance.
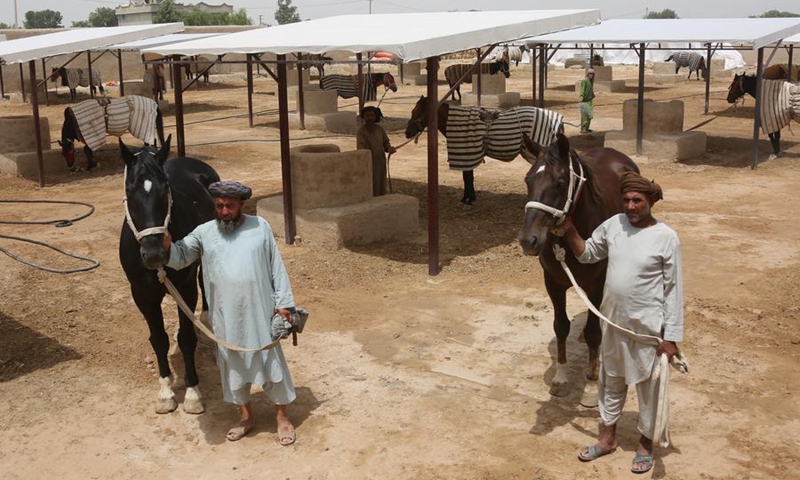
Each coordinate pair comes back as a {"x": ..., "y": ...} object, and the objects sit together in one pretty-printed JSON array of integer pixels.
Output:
[
  {"x": 4, "y": 26},
  {"x": 196, "y": 16},
  {"x": 81, "y": 24},
  {"x": 286, "y": 13},
  {"x": 666, "y": 13},
  {"x": 240, "y": 18},
  {"x": 42, "y": 19},
  {"x": 167, "y": 13},
  {"x": 103, "y": 17},
  {"x": 776, "y": 14}
]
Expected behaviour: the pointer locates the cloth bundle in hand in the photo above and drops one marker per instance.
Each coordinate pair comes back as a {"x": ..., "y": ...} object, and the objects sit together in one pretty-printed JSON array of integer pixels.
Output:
[{"x": 281, "y": 328}]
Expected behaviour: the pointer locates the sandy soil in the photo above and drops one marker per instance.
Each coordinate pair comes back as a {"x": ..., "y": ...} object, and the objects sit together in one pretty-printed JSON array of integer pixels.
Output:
[{"x": 399, "y": 374}]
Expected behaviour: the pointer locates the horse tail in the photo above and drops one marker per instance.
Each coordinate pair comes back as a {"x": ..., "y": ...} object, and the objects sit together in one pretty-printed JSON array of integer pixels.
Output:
[
  {"x": 160, "y": 126},
  {"x": 669, "y": 58}
]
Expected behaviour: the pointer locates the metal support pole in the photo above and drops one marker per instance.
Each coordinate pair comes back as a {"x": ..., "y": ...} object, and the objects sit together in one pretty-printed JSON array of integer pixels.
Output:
[
  {"x": 545, "y": 73},
  {"x": 286, "y": 164},
  {"x": 177, "y": 77},
  {"x": 44, "y": 82},
  {"x": 360, "y": 75},
  {"x": 22, "y": 81},
  {"x": 250, "y": 89},
  {"x": 91, "y": 80},
  {"x": 36, "y": 124},
  {"x": 533, "y": 76},
  {"x": 791, "y": 53},
  {"x": 757, "y": 121},
  {"x": 400, "y": 67},
  {"x": 301, "y": 107},
  {"x": 121, "y": 76},
  {"x": 640, "y": 103},
  {"x": 542, "y": 68},
  {"x": 2, "y": 85},
  {"x": 433, "y": 167},
  {"x": 479, "y": 79},
  {"x": 708, "y": 74},
  {"x": 591, "y": 55}
]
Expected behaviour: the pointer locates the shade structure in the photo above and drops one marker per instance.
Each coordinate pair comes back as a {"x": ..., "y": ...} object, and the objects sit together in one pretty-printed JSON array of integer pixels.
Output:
[
  {"x": 757, "y": 32},
  {"x": 794, "y": 39},
  {"x": 409, "y": 36},
  {"x": 78, "y": 40},
  {"x": 137, "y": 45}
]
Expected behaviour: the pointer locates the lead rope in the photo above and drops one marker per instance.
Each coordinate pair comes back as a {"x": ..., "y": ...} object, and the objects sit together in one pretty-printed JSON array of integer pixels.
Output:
[
  {"x": 388, "y": 174},
  {"x": 661, "y": 372}
]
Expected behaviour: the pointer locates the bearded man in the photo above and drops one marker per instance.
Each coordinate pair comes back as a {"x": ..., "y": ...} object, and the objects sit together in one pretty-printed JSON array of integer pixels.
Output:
[
  {"x": 643, "y": 293},
  {"x": 246, "y": 284}
]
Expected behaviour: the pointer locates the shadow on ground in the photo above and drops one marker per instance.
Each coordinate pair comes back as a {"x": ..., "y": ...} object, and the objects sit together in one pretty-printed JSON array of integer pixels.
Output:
[{"x": 24, "y": 350}]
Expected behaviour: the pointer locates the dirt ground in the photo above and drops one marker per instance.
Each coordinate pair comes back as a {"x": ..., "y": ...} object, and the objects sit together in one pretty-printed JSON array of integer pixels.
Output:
[{"x": 401, "y": 374}]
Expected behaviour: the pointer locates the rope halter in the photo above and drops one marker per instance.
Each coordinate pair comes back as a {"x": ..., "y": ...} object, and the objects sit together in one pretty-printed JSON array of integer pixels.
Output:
[
  {"x": 147, "y": 231},
  {"x": 573, "y": 193}
]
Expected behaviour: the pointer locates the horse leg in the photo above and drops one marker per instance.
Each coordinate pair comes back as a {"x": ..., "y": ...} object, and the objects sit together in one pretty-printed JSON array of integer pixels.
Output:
[
  {"x": 187, "y": 341},
  {"x": 469, "y": 187},
  {"x": 775, "y": 140},
  {"x": 150, "y": 306},
  {"x": 90, "y": 163},
  {"x": 561, "y": 326}
]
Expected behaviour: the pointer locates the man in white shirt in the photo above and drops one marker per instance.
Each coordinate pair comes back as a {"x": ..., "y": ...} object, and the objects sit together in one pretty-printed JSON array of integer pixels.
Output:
[{"x": 643, "y": 293}]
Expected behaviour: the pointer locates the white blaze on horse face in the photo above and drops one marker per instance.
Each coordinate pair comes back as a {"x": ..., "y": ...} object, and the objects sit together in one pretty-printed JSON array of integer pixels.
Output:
[
  {"x": 540, "y": 170},
  {"x": 147, "y": 186}
]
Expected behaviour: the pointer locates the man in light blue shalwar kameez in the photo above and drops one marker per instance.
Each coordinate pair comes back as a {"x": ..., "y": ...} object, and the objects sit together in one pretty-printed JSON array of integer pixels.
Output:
[{"x": 246, "y": 284}]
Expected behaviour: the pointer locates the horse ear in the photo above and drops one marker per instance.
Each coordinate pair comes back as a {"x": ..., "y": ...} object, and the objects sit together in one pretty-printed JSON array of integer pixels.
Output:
[
  {"x": 127, "y": 156},
  {"x": 163, "y": 153},
  {"x": 563, "y": 146},
  {"x": 534, "y": 149}
]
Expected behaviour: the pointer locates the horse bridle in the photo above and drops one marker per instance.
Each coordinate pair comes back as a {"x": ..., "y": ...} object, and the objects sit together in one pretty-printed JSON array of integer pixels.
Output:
[
  {"x": 573, "y": 193},
  {"x": 147, "y": 231}
]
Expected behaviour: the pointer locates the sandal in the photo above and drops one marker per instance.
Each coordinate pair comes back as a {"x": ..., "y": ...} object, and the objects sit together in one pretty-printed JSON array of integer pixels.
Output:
[
  {"x": 593, "y": 452},
  {"x": 239, "y": 431},
  {"x": 286, "y": 435},
  {"x": 647, "y": 460}
]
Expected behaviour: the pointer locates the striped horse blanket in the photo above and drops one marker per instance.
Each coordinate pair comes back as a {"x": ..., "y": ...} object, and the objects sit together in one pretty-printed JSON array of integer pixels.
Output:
[
  {"x": 133, "y": 113},
  {"x": 688, "y": 59},
  {"x": 79, "y": 77},
  {"x": 779, "y": 105},
  {"x": 346, "y": 86},
  {"x": 470, "y": 138}
]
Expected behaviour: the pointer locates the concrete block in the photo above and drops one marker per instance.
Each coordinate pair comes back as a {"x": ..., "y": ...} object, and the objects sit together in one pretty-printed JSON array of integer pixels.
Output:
[
  {"x": 339, "y": 122},
  {"x": 27, "y": 164},
  {"x": 664, "y": 68},
  {"x": 291, "y": 77},
  {"x": 659, "y": 117},
  {"x": 419, "y": 79},
  {"x": 603, "y": 74},
  {"x": 139, "y": 87},
  {"x": 490, "y": 84},
  {"x": 502, "y": 101},
  {"x": 17, "y": 133},
  {"x": 163, "y": 105},
  {"x": 604, "y": 86},
  {"x": 323, "y": 176},
  {"x": 411, "y": 69},
  {"x": 679, "y": 146},
  {"x": 659, "y": 78},
  {"x": 317, "y": 102},
  {"x": 717, "y": 64},
  {"x": 388, "y": 217}
]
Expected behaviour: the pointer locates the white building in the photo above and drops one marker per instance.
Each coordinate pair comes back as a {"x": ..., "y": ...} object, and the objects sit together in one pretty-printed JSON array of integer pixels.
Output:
[{"x": 142, "y": 12}]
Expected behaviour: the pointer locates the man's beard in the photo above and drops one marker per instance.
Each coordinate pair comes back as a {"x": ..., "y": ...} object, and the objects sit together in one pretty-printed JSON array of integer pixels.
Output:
[{"x": 228, "y": 226}]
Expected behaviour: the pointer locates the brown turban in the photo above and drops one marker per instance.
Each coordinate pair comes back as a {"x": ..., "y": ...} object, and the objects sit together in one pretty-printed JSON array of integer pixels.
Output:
[{"x": 633, "y": 182}]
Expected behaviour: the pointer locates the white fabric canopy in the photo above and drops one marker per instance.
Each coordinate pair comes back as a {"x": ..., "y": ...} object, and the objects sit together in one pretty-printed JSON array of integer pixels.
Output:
[
  {"x": 158, "y": 41},
  {"x": 757, "y": 32},
  {"x": 792, "y": 39},
  {"x": 622, "y": 54},
  {"x": 78, "y": 40},
  {"x": 409, "y": 36}
]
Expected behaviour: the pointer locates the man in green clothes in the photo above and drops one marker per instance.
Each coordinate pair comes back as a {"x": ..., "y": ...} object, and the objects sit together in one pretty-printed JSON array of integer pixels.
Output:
[{"x": 587, "y": 101}]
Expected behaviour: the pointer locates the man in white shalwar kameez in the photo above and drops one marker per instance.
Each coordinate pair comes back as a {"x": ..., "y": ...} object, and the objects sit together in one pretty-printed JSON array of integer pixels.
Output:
[
  {"x": 643, "y": 293},
  {"x": 246, "y": 284}
]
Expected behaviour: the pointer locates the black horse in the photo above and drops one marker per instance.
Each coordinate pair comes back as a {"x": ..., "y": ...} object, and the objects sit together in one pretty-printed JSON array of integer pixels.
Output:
[
  {"x": 71, "y": 133},
  {"x": 598, "y": 199},
  {"x": 742, "y": 84},
  {"x": 82, "y": 80},
  {"x": 197, "y": 68},
  {"x": 158, "y": 191}
]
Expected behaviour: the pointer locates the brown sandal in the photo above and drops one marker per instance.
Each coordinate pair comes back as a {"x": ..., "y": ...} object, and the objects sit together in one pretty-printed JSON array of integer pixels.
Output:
[
  {"x": 286, "y": 435},
  {"x": 239, "y": 431}
]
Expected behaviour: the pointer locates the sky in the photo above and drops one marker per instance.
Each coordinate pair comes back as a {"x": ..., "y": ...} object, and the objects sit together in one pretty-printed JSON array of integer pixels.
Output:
[{"x": 73, "y": 10}]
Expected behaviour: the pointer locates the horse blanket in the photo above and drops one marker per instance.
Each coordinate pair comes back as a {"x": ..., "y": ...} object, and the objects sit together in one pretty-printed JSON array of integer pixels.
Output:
[
  {"x": 687, "y": 59},
  {"x": 780, "y": 104},
  {"x": 79, "y": 77},
  {"x": 346, "y": 86},
  {"x": 470, "y": 138},
  {"x": 133, "y": 113}
]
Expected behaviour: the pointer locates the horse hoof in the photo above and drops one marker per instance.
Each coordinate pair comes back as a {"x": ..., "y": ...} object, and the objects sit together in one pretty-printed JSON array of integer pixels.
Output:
[
  {"x": 559, "y": 389},
  {"x": 195, "y": 407},
  {"x": 166, "y": 406}
]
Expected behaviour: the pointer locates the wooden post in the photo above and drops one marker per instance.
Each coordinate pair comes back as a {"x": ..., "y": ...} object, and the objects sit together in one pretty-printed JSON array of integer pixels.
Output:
[
  {"x": 640, "y": 103},
  {"x": 177, "y": 88},
  {"x": 433, "y": 167},
  {"x": 286, "y": 164},
  {"x": 22, "y": 81},
  {"x": 91, "y": 81},
  {"x": 791, "y": 53},
  {"x": 708, "y": 74},
  {"x": 250, "y": 89},
  {"x": 591, "y": 55},
  {"x": 36, "y": 124},
  {"x": 479, "y": 79},
  {"x": 757, "y": 121},
  {"x": 121, "y": 76},
  {"x": 542, "y": 68},
  {"x": 2, "y": 85},
  {"x": 301, "y": 108},
  {"x": 360, "y": 76},
  {"x": 533, "y": 76}
]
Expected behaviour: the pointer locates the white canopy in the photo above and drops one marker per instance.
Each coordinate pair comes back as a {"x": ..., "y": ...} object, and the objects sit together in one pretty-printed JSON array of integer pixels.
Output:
[
  {"x": 757, "y": 32},
  {"x": 622, "y": 54},
  {"x": 137, "y": 45},
  {"x": 792, "y": 39},
  {"x": 409, "y": 36},
  {"x": 78, "y": 40}
]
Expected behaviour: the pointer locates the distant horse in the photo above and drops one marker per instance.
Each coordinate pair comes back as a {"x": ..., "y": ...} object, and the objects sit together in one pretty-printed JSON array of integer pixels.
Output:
[
  {"x": 454, "y": 72},
  {"x": 555, "y": 172},
  {"x": 582, "y": 60},
  {"x": 693, "y": 60},
  {"x": 77, "y": 77},
  {"x": 317, "y": 61},
  {"x": 346, "y": 86},
  {"x": 197, "y": 68},
  {"x": 473, "y": 133},
  {"x": 89, "y": 122},
  {"x": 780, "y": 71},
  {"x": 511, "y": 52},
  {"x": 161, "y": 193},
  {"x": 158, "y": 81},
  {"x": 778, "y": 105}
]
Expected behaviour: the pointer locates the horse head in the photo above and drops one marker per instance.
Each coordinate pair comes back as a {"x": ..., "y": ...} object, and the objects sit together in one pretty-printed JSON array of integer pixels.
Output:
[
  {"x": 736, "y": 89},
  {"x": 548, "y": 183},
  {"x": 388, "y": 82},
  {"x": 67, "y": 151},
  {"x": 148, "y": 200},
  {"x": 417, "y": 122},
  {"x": 55, "y": 73}
]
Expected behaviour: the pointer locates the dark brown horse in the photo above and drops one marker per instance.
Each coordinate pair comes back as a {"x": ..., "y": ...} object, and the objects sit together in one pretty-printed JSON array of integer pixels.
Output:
[
  {"x": 742, "y": 84},
  {"x": 596, "y": 200},
  {"x": 780, "y": 71}
]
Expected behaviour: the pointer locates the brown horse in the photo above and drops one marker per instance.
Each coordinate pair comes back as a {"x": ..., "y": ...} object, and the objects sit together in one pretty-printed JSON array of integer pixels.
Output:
[
  {"x": 780, "y": 71},
  {"x": 555, "y": 172},
  {"x": 159, "y": 81}
]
